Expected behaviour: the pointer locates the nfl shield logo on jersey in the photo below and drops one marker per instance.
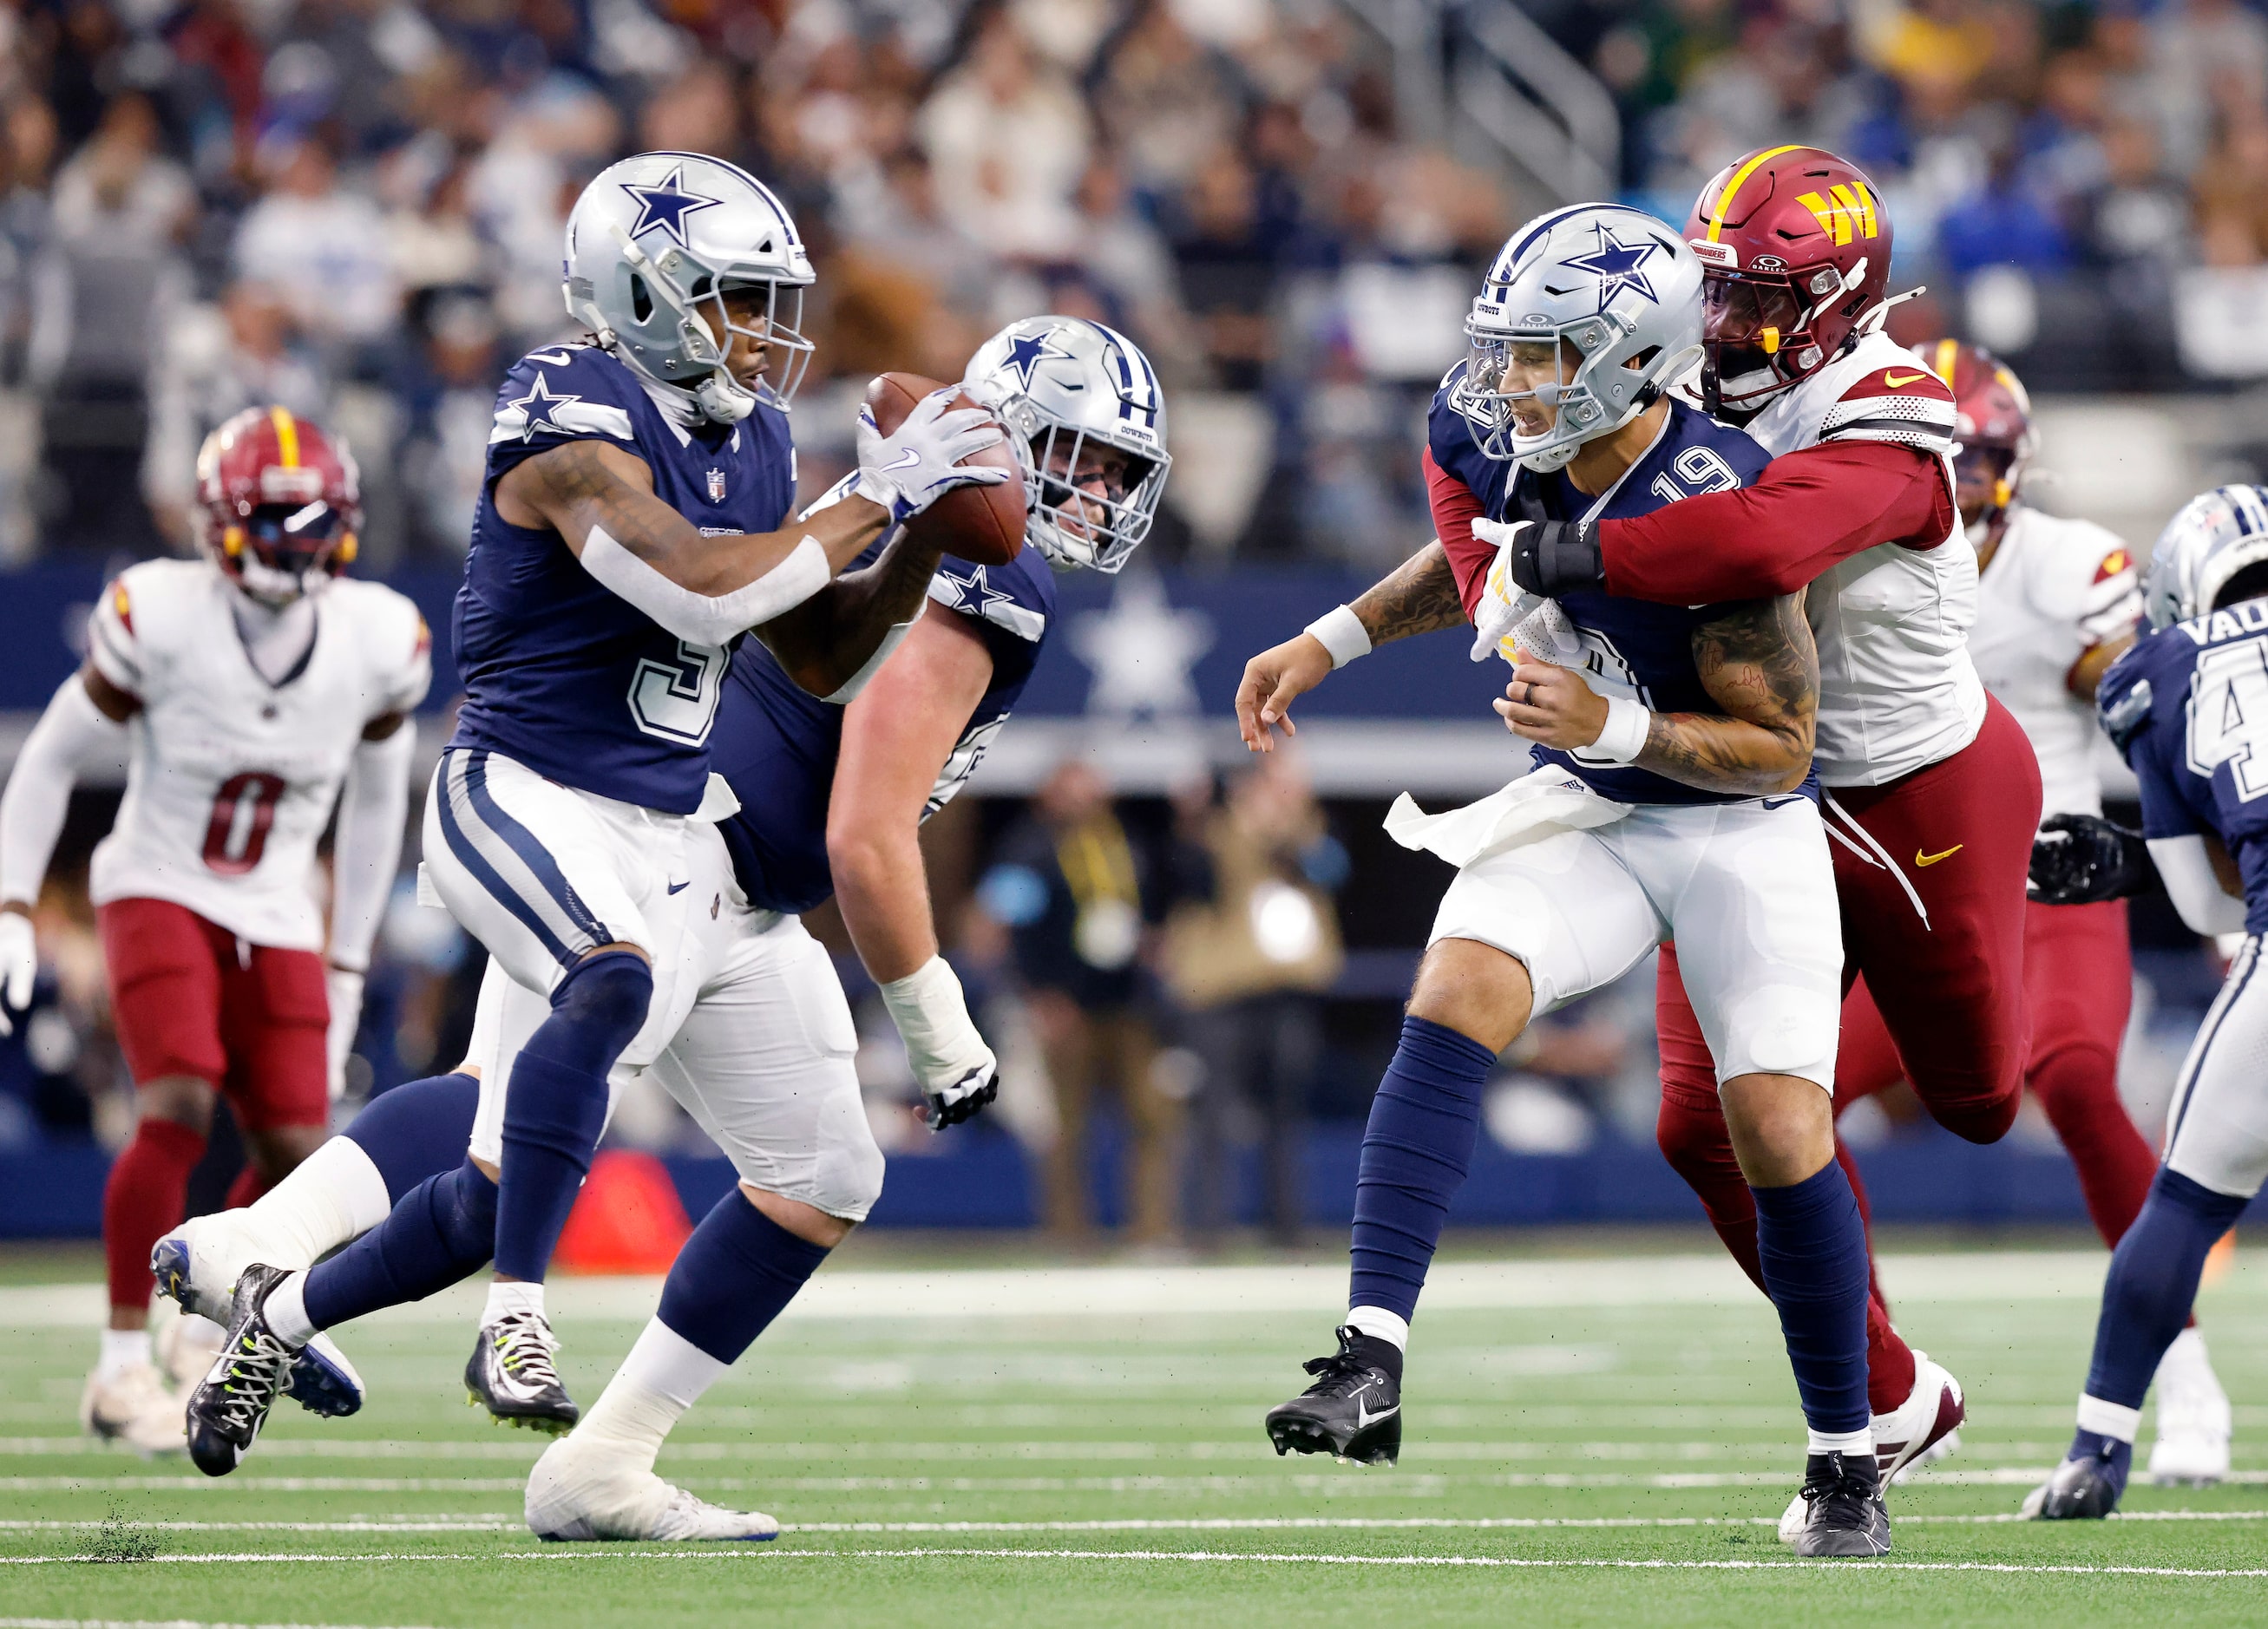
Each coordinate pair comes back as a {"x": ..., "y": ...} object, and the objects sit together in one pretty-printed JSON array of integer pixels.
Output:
[{"x": 716, "y": 486}]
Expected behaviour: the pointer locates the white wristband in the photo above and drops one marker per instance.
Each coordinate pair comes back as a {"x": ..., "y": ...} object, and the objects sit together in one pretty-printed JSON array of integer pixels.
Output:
[
  {"x": 1622, "y": 737},
  {"x": 1341, "y": 632}
]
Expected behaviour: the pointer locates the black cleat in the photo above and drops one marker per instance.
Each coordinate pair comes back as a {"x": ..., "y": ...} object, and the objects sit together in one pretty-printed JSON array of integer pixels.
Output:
[
  {"x": 512, "y": 1374},
  {"x": 2084, "y": 1488},
  {"x": 1354, "y": 1408},
  {"x": 231, "y": 1402},
  {"x": 1843, "y": 1513}
]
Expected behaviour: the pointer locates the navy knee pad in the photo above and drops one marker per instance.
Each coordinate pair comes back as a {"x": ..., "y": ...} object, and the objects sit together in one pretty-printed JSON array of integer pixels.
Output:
[{"x": 598, "y": 1006}]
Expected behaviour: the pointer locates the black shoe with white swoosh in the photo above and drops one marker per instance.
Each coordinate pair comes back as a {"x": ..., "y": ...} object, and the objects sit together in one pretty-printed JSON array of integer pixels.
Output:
[{"x": 1354, "y": 1408}]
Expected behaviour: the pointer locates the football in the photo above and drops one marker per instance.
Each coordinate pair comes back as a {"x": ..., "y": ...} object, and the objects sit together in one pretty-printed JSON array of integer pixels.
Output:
[{"x": 984, "y": 526}]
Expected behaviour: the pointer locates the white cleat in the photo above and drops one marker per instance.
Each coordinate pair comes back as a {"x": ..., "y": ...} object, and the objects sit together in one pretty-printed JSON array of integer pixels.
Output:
[
  {"x": 1921, "y": 1430},
  {"x": 573, "y": 1500},
  {"x": 2194, "y": 1424},
  {"x": 137, "y": 1407},
  {"x": 197, "y": 1263}
]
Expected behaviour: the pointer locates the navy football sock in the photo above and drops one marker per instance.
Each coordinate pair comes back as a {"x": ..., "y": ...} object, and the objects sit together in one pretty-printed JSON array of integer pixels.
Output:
[
  {"x": 440, "y": 1234},
  {"x": 2153, "y": 1280},
  {"x": 1415, "y": 1152},
  {"x": 1813, "y": 1249},
  {"x": 418, "y": 1129},
  {"x": 733, "y": 1276},
  {"x": 556, "y": 1106}
]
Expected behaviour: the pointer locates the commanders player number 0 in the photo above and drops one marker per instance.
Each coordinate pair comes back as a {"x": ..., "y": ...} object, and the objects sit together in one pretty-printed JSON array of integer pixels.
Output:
[
  {"x": 2229, "y": 715},
  {"x": 677, "y": 699},
  {"x": 243, "y": 812},
  {"x": 1699, "y": 471}
]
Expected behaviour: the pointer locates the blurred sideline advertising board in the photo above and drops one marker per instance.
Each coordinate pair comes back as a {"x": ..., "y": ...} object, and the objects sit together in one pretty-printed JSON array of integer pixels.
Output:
[
  {"x": 986, "y": 1179},
  {"x": 1140, "y": 675}
]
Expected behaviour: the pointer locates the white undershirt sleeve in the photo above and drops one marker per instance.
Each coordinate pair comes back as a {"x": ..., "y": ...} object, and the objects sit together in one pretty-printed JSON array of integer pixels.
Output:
[
  {"x": 706, "y": 618},
  {"x": 374, "y": 806},
  {"x": 72, "y": 734},
  {"x": 2194, "y": 887}
]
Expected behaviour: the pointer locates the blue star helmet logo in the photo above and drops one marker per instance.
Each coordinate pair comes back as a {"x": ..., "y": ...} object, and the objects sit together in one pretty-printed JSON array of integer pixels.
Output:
[
  {"x": 1618, "y": 266},
  {"x": 1027, "y": 352},
  {"x": 666, "y": 206},
  {"x": 543, "y": 409}
]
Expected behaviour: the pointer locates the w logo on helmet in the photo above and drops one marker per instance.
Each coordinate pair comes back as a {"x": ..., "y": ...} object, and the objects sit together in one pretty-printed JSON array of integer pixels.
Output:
[{"x": 1844, "y": 211}]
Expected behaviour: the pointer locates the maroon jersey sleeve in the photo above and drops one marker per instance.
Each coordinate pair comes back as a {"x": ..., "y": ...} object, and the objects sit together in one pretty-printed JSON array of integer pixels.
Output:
[
  {"x": 1456, "y": 508},
  {"x": 1806, "y": 512}
]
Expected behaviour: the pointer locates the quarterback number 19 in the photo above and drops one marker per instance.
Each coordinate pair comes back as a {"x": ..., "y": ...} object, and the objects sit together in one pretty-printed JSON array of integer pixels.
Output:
[{"x": 2229, "y": 715}]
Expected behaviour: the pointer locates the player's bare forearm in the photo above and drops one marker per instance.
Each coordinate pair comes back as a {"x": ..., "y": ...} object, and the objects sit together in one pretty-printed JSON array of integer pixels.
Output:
[
  {"x": 2086, "y": 675},
  {"x": 896, "y": 739},
  {"x": 823, "y": 642},
  {"x": 1418, "y": 596},
  {"x": 1760, "y": 666},
  {"x": 587, "y": 485}
]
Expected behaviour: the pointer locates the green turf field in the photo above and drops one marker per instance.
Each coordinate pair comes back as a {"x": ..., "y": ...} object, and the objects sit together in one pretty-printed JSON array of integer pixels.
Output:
[{"x": 1597, "y": 1441}]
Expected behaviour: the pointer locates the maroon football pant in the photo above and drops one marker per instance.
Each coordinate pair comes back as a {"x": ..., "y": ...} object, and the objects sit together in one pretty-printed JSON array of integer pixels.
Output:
[{"x": 1930, "y": 873}]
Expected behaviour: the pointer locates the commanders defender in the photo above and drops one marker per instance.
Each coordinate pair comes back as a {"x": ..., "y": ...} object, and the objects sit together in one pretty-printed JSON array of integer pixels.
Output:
[
  {"x": 832, "y": 796},
  {"x": 1673, "y": 794},
  {"x": 252, "y": 690},
  {"x": 2187, "y": 707},
  {"x": 2059, "y": 601}
]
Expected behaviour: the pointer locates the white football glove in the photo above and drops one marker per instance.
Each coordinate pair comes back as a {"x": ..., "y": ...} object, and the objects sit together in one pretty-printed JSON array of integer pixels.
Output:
[
  {"x": 19, "y": 966},
  {"x": 955, "y": 1069},
  {"x": 911, "y": 469},
  {"x": 1509, "y": 620},
  {"x": 344, "y": 989}
]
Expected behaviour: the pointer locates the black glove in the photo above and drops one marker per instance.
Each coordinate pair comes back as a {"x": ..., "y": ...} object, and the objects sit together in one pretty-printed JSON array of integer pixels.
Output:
[
  {"x": 1551, "y": 557},
  {"x": 2083, "y": 859}
]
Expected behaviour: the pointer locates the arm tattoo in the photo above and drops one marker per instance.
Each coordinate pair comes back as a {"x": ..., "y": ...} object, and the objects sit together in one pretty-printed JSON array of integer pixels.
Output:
[
  {"x": 825, "y": 641},
  {"x": 1759, "y": 664},
  {"x": 1418, "y": 596}
]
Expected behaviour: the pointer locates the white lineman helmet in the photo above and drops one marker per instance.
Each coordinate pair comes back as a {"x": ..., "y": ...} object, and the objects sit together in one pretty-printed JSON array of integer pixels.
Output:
[
  {"x": 653, "y": 244},
  {"x": 1615, "y": 284},
  {"x": 2216, "y": 535},
  {"x": 1067, "y": 389}
]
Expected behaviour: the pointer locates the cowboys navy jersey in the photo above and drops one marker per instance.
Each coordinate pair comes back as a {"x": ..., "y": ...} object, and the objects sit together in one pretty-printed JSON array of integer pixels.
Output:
[
  {"x": 560, "y": 674},
  {"x": 776, "y": 744},
  {"x": 2188, "y": 706},
  {"x": 1631, "y": 648}
]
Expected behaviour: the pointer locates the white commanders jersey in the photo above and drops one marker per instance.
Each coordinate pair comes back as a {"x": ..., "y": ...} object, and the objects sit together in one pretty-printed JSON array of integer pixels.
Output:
[
  {"x": 2053, "y": 592},
  {"x": 1897, "y": 691},
  {"x": 231, "y": 779}
]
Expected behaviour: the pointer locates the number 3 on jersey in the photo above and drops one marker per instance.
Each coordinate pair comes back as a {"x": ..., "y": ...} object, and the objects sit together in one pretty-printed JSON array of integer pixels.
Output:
[
  {"x": 677, "y": 701},
  {"x": 2229, "y": 715}
]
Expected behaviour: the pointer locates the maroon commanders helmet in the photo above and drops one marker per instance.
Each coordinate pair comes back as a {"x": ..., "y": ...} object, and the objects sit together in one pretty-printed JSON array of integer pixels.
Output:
[
  {"x": 1794, "y": 248},
  {"x": 278, "y": 503}
]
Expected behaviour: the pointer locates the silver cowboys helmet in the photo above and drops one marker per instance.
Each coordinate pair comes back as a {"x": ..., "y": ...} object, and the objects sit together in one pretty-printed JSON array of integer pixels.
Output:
[
  {"x": 2216, "y": 535},
  {"x": 653, "y": 245},
  {"x": 1614, "y": 285},
  {"x": 1088, "y": 420}
]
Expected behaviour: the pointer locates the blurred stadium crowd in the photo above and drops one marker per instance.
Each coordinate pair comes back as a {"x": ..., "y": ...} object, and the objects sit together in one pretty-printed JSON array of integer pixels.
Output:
[{"x": 354, "y": 208}]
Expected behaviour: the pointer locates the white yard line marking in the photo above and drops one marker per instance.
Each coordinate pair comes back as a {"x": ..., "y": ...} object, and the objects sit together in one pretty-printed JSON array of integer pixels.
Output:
[
  {"x": 1225, "y": 1557},
  {"x": 1995, "y": 1278},
  {"x": 1127, "y": 1524}
]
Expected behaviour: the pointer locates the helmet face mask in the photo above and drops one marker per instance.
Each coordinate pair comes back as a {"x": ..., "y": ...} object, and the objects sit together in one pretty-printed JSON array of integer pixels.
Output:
[
  {"x": 1586, "y": 316},
  {"x": 1087, "y": 425},
  {"x": 656, "y": 245},
  {"x": 1758, "y": 333}
]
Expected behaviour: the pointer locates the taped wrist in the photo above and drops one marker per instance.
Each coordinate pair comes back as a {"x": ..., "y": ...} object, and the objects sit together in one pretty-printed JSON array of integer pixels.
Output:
[
  {"x": 931, "y": 1013},
  {"x": 1622, "y": 737},
  {"x": 1341, "y": 631},
  {"x": 1554, "y": 557},
  {"x": 706, "y": 618}
]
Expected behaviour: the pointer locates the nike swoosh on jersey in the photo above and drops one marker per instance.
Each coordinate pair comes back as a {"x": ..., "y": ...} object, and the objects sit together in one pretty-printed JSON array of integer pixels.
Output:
[
  {"x": 681, "y": 887},
  {"x": 1782, "y": 803},
  {"x": 1894, "y": 380},
  {"x": 556, "y": 359},
  {"x": 1932, "y": 859}
]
